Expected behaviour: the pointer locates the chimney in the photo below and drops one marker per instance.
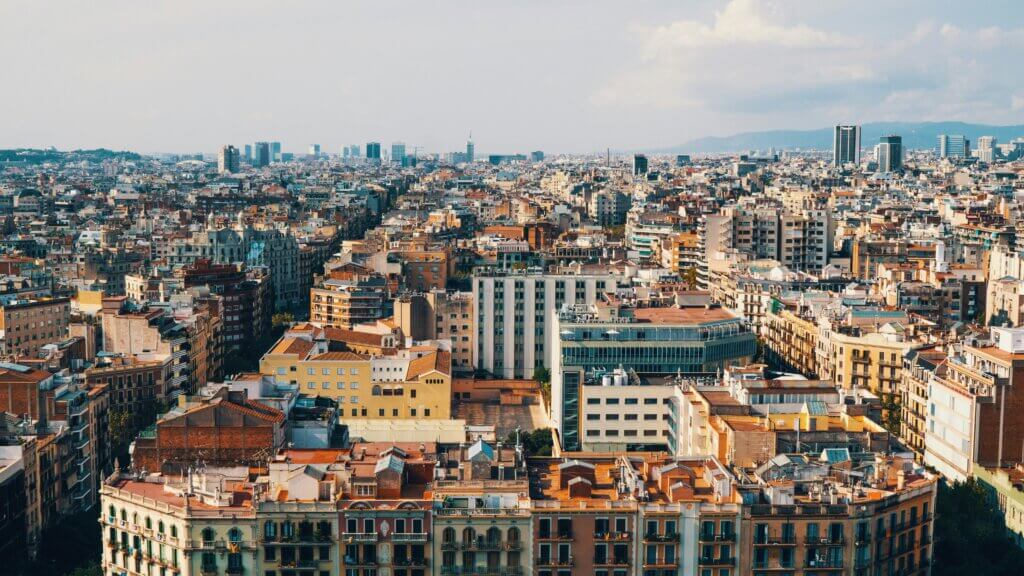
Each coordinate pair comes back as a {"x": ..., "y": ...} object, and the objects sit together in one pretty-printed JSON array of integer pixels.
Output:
[{"x": 901, "y": 480}]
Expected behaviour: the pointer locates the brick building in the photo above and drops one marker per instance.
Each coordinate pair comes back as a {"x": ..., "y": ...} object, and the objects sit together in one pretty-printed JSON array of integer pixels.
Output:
[{"x": 227, "y": 429}]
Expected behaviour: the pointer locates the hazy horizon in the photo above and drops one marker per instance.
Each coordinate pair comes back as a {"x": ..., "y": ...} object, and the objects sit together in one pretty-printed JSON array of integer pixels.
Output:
[{"x": 575, "y": 77}]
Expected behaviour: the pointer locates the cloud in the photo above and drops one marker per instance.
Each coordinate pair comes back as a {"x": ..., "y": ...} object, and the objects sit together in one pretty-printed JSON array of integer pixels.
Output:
[
  {"x": 754, "y": 67},
  {"x": 740, "y": 23}
]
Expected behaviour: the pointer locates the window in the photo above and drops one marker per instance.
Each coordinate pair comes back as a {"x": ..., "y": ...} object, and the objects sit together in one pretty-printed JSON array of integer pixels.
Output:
[
  {"x": 353, "y": 371},
  {"x": 341, "y": 371}
]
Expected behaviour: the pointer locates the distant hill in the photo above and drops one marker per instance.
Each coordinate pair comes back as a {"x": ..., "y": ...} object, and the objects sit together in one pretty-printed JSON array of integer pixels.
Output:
[
  {"x": 34, "y": 156},
  {"x": 916, "y": 135}
]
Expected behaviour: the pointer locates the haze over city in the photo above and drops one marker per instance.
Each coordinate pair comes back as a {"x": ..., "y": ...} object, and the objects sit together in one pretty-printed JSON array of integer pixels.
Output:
[{"x": 560, "y": 76}]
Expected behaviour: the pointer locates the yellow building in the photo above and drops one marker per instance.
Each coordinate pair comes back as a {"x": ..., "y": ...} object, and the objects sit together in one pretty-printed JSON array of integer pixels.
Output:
[
  {"x": 790, "y": 341},
  {"x": 411, "y": 384}
]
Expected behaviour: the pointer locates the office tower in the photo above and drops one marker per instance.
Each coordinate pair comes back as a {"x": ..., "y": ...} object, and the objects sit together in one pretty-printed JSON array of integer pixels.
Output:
[
  {"x": 354, "y": 151},
  {"x": 227, "y": 160},
  {"x": 470, "y": 150},
  {"x": 890, "y": 154},
  {"x": 987, "y": 148},
  {"x": 398, "y": 152},
  {"x": 262, "y": 154},
  {"x": 314, "y": 150},
  {"x": 639, "y": 164},
  {"x": 373, "y": 151},
  {"x": 537, "y": 156},
  {"x": 275, "y": 151},
  {"x": 682, "y": 159},
  {"x": 953, "y": 146},
  {"x": 248, "y": 153},
  {"x": 846, "y": 145}
]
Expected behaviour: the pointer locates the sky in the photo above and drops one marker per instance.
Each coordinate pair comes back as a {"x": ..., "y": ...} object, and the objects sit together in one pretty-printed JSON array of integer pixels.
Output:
[{"x": 559, "y": 76}]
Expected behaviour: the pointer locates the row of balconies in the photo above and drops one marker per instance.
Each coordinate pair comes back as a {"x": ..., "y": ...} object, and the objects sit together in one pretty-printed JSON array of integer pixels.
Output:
[{"x": 482, "y": 545}]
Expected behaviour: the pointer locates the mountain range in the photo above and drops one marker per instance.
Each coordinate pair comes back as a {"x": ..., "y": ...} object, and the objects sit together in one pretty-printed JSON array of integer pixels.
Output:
[{"x": 916, "y": 135}]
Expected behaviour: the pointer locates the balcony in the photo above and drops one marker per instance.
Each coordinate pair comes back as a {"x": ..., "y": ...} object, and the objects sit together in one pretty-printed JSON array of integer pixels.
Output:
[
  {"x": 722, "y": 537},
  {"x": 412, "y": 562},
  {"x": 666, "y": 537},
  {"x": 565, "y": 536},
  {"x": 775, "y": 540},
  {"x": 555, "y": 562},
  {"x": 836, "y": 564},
  {"x": 717, "y": 561},
  {"x": 409, "y": 537},
  {"x": 620, "y": 561},
  {"x": 660, "y": 564},
  {"x": 234, "y": 570},
  {"x": 208, "y": 570},
  {"x": 619, "y": 536},
  {"x": 352, "y": 561},
  {"x": 359, "y": 537},
  {"x": 825, "y": 541}
]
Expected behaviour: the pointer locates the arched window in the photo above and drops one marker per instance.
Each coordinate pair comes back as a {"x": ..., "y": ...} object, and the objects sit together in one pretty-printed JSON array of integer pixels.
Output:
[
  {"x": 235, "y": 535},
  {"x": 149, "y": 523},
  {"x": 448, "y": 536},
  {"x": 493, "y": 535},
  {"x": 160, "y": 526},
  {"x": 135, "y": 518},
  {"x": 269, "y": 530},
  {"x": 468, "y": 535},
  {"x": 174, "y": 531},
  {"x": 513, "y": 534},
  {"x": 208, "y": 534},
  {"x": 124, "y": 515},
  {"x": 375, "y": 391},
  {"x": 113, "y": 512}
]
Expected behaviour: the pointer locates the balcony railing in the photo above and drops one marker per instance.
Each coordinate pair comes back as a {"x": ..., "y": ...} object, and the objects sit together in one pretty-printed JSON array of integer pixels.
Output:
[
  {"x": 409, "y": 537},
  {"x": 359, "y": 537},
  {"x": 666, "y": 537},
  {"x": 555, "y": 561},
  {"x": 717, "y": 560}
]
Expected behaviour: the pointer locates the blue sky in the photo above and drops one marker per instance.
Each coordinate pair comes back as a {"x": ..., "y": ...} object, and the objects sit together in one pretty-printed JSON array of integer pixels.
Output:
[{"x": 573, "y": 76}]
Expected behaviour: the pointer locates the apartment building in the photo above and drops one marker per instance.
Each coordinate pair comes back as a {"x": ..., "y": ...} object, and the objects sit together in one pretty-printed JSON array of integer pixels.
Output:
[
  {"x": 200, "y": 525},
  {"x": 512, "y": 313},
  {"x": 28, "y": 325},
  {"x": 411, "y": 383},
  {"x": 149, "y": 335},
  {"x": 920, "y": 366},
  {"x": 864, "y": 351},
  {"x": 827, "y": 525},
  {"x": 974, "y": 411},
  {"x": 440, "y": 315},
  {"x": 344, "y": 304},
  {"x": 791, "y": 340},
  {"x": 1006, "y": 495}
]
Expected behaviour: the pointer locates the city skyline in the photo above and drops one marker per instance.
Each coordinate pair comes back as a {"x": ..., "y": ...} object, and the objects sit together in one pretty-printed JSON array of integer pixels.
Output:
[{"x": 628, "y": 77}]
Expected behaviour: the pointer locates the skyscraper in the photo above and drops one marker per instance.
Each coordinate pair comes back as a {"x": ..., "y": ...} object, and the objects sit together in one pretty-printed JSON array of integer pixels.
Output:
[
  {"x": 373, "y": 152},
  {"x": 248, "y": 153},
  {"x": 227, "y": 159},
  {"x": 987, "y": 148},
  {"x": 846, "y": 145},
  {"x": 354, "y": 151},
  {"x": 470, "y": 149},
  {"x": 953, "y": 146},
  {"x": 314, "y": 150},
  {"x": 398, "y": 152},
  {"x": 262, "y": 154},
  {"x": 639, "y": 164},
  {"x": 275, "y": 151},
  {"x": 890, "y": 154}
]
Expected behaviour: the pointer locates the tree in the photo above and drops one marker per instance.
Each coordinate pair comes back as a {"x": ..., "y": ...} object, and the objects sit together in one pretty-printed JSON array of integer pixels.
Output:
[
  {"x": 543, "y": 377},
  {"x": 535, "y": 443},
  {"x": 282, "y": 319},
  {"x": 970, "y": 534},
  {"x": 892, "y": 415},
  {"x": 122, "y": 427},
  {"x": 690, "y": 277}
]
